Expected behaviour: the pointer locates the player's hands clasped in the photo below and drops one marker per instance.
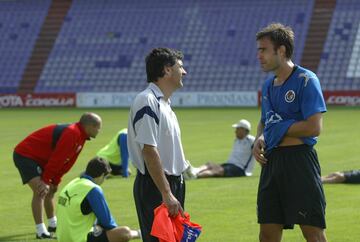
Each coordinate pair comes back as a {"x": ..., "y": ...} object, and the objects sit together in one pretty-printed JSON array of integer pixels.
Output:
[
  {"x": 173, "y": 205},
  {"x": 259, "y": 150},
  {"x": 42, "y": 189}
]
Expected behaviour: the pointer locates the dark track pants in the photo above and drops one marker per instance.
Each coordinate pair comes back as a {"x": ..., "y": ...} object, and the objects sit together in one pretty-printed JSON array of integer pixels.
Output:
[{"x": 147, "y": 198}]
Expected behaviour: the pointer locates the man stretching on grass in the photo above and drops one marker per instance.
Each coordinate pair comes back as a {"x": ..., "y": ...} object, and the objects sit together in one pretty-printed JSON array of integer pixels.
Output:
[
  {"x": 350, "y": 177},
  {"x": 240, "y": 163},
  {"x": 82, "y": 203},
  {"x": 45, "y": 156}
]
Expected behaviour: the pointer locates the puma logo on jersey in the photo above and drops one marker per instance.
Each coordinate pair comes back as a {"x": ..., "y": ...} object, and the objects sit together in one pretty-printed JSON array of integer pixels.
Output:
[
  {"x": 65, "y": 201},
  {"x": 68, "y": 196},
  {"x": 306, "y": 76}
]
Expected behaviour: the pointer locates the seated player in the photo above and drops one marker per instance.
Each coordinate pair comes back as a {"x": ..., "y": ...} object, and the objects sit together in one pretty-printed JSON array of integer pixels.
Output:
[
  {"x": 240, "y": 163},
  {"x": 81, "y": 205}
]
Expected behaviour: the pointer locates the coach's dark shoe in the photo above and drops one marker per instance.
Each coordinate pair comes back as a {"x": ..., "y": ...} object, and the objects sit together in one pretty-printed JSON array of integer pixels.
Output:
[{"x": 52, "y": 229}]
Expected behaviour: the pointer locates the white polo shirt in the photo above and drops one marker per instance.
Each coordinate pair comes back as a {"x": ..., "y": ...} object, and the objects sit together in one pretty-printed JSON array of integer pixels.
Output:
[
  {"x": 241, "y": 154},
  {"x": 152, "y": 122}
]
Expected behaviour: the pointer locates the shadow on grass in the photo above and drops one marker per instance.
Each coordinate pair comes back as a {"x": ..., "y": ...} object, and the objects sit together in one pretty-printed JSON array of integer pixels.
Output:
[{"x": 18, "y": 237}]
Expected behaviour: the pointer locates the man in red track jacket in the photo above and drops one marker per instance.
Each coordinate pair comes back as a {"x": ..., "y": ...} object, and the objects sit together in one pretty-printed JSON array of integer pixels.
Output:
[{"x": 44, "y": 156}]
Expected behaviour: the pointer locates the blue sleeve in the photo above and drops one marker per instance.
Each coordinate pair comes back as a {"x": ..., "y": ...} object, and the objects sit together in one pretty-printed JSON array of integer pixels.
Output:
[
  {"x": 100, "y": 208},
  {"x": 312, "y": 100},
  {"x": 122, "y": 142},
  {"x": 265, "y": 100}
]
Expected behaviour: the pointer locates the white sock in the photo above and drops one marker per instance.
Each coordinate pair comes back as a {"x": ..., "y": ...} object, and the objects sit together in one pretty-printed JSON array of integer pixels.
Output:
[
  {"x": 52, "y": 222},
  {"x": 41, "y": 229},
  {"x": 196, "y": 170},
  {"x": 135, "y": 234}
]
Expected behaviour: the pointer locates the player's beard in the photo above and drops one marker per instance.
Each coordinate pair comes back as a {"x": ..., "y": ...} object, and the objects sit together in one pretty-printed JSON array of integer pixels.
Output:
[{"x": 271, "y": 68}]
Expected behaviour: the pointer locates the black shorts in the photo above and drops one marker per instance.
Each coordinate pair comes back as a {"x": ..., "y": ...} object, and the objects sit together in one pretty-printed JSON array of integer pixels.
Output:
[
  {"x": 352, "y": 177},
  {"x": 115, "y": 169},
  {"x": 231, "y": 170},
  {"x": 97, "y": 236},
  {"x": 27, "y": 167},
  {"x": 290, "y": 189},
  {"x": 147, "y": 197}
]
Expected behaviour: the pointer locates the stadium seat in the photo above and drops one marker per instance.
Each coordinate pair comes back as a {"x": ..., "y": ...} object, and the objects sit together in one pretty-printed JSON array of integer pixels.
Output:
[
  {"x": 340, "y": 59},
  {"x": 20, "y": 23},
  {"x": 108, "y": 40}
]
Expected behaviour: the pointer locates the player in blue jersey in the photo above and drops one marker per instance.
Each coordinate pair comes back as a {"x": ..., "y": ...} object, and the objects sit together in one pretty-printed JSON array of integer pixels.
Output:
[{"x": 290, "y": 189}]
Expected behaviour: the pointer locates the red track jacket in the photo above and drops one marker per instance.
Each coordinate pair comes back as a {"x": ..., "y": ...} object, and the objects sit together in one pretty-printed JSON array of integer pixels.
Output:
[{"x": 55, "y": 162}]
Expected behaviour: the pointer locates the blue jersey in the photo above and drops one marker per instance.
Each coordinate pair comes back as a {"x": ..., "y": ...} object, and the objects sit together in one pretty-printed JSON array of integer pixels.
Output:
[{"x": 298, "y": 98}]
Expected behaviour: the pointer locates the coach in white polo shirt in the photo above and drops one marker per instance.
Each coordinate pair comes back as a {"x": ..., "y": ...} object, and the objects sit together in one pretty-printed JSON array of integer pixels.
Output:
[{"x": 154, "y": 140}]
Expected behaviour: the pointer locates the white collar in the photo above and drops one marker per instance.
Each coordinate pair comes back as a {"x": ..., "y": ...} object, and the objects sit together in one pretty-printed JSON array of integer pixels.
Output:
[{"x": 157, "y": 91}]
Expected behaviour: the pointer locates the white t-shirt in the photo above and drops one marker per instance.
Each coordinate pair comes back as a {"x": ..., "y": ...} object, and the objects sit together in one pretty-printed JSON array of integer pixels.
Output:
[
  {"x": 152, "y": 122},
  {"x": 241, "y": 154}
]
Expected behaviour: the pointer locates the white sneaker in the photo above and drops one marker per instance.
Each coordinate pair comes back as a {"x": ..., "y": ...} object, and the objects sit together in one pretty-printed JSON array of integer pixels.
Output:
[{"x": 190, "y": 173}]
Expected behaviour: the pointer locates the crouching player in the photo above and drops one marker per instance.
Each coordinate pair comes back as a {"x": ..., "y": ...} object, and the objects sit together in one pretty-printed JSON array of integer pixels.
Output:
[{"x": 82, "y": 204}]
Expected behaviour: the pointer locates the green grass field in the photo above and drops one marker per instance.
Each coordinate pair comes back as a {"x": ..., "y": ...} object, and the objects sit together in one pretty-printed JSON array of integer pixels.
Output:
[{"x": 226, "y": 208}]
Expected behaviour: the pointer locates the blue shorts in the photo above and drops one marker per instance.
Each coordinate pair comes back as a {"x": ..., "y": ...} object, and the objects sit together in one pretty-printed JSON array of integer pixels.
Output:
[{"x": 231, "y": 170}]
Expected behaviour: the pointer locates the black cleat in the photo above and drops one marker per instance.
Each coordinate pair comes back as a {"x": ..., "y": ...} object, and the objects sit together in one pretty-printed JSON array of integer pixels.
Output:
[
  {"x": 52, "y": 229},
  {"x": 43, "y": 236}
]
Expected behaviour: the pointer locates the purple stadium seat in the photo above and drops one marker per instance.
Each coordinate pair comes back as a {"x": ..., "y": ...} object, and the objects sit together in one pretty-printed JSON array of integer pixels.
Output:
[
  {"x": 340, "y": 61},
  {"x": 20, "y": 23},
  {"x": 102, "y": 44}
]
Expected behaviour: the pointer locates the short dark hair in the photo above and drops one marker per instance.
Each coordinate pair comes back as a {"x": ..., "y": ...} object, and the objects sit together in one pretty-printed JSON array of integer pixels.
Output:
[
  {"x": 97, "y": 166},
  {"x": 279, "y": 35},
  {"x": 157, "y": 59}
]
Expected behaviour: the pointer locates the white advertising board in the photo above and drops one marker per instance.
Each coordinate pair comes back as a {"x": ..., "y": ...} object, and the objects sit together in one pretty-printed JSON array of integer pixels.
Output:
[{"x": 178, "y": 99}]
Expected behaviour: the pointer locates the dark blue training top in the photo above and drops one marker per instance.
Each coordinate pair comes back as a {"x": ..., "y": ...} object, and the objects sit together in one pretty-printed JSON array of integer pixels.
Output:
[{"x": 298, "y": 98}]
